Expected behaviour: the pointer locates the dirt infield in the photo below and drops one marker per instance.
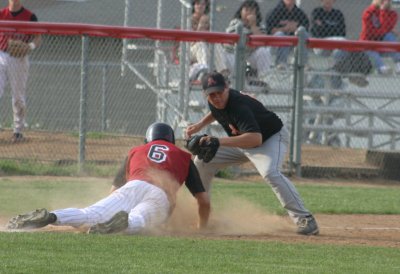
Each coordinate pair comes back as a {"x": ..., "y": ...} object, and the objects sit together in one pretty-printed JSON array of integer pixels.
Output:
[
  {"x": 370, "y": 230},
  {"x": 63, "y": 148},
  {"x": 246, "y": 221},
  {"x": 365, "y": 230}
]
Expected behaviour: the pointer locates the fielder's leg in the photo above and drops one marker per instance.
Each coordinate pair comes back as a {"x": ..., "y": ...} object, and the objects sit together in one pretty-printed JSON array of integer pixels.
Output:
[
  {"x": 268, "y": 159},
  {"x": 225, "y": 156},
  {"x": 18, "y": 71}
]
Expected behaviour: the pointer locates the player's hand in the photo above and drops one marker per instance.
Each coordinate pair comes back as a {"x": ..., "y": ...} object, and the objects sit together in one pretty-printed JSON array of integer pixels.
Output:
[
  {"x": 192, "y": 129},
  {"x": 385, "y": 4},
  {"x": 318, "y": 22},
  {"x": 252, "y": 20},
  {"x": 291, "y": 26}
]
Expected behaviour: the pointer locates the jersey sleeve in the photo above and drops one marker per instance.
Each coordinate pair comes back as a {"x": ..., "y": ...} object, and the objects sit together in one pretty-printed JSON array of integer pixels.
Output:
[
  {"x": 271, "y": 20},
  {"x": 193, "y": 181},
  {"x": 303, "y": 20},
  {"x": 120, "y": 177}
]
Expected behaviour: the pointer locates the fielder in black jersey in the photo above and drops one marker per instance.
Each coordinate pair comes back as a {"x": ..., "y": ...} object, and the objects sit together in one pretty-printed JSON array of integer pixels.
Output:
[
  {"x": 254, "y": 134},
  {"x": 247, "y": 114}
]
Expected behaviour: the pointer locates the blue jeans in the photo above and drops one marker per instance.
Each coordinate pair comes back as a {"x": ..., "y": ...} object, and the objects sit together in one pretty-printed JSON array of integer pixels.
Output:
[
  {"x": 376, "y": 57},
  {"x": 318, "y": 81},
  {"x": 282, "y": 53}
]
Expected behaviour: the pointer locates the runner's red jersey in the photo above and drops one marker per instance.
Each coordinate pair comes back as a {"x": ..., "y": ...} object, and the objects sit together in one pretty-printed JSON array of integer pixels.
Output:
[
  {"x": 5, "y": 14},
  {"x": 161, "y": 155}
]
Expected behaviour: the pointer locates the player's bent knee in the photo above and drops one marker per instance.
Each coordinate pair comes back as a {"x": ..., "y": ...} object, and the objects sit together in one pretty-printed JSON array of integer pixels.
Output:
[
  {"x": 272, "y": 176},
  {"x": 136, "y": 223}
]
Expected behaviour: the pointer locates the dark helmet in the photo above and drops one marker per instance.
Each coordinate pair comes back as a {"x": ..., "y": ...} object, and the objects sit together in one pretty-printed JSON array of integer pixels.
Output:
[{"x": 160, "y": 131}]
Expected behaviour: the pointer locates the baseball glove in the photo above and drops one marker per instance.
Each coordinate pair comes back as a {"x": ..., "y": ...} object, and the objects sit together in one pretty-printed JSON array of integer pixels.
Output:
[
  {"x": 18, "y": 48},
  {"x": 206, "y": 150}
]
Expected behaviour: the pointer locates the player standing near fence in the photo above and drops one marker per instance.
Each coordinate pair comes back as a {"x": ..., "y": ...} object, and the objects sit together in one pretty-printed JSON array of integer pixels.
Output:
[
  {"x": 254, "y": 134},
  {"x": 144, "y": 191},
  {"x": 14, "y": 63}
]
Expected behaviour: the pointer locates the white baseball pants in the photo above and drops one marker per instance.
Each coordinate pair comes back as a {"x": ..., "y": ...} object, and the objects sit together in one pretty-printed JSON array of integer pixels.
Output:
[
  {"x": 200, "y": 52},
  {"x": 16, "y": 70},
  {"x": 259, "y": 59},
  {"x": 147, "y": 205},
  {"x": 268, "y": 159}
]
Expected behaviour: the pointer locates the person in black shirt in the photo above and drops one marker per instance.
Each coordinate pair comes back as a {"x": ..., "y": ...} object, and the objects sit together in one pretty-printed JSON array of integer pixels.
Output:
[
  {"x": 327, "y": 21},
  {"x": 254, "y": 134},
  {"x": 284, "y": 20}
]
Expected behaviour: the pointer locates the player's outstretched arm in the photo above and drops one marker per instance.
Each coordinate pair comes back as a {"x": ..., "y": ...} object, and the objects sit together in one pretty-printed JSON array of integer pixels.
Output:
[
  {"x": 120, "y": 177},
  {"x": 195, "y": 186},
  {"x": 203, "y": 202}
]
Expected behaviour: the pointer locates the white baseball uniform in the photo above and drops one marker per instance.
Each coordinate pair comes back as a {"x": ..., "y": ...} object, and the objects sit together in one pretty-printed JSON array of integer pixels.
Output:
[
  {"x": 147, "y": 205},
  {"x": 16, "y": 70}
]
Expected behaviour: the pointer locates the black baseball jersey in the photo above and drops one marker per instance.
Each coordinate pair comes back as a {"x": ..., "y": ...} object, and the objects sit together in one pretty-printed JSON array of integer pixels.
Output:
[{"x": 245, "y": 114}]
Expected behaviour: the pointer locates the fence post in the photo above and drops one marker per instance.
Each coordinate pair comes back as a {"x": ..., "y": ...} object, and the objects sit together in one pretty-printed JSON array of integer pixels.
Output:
[
  {"x": 104, "y": 110},
  {"x": 83, "y": 102},
  {"x": 292, "y": 128},
  {"x": 125, "y": 41},
  {"x": 298, "y": 118},
  {"x": 161, "y": 69},
  {"x": 240, "y": 49},
  {"x": 212, "y": 28},
  {"x": 184, "y": 60}
]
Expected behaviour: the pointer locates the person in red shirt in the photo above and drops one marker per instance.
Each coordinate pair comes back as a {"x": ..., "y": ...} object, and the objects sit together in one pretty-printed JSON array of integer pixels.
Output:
[
  {"x": 143, "y": 194},
  {"x": 378, "y": 23},
  {"x": 16, "y": 69}
]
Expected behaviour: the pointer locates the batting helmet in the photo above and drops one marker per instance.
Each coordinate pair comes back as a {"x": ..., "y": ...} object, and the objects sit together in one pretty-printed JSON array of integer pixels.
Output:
[{"x": 160, "y": 131}]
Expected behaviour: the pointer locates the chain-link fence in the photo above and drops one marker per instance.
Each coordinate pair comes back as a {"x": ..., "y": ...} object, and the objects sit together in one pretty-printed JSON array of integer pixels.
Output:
[
  {"x": 349, "y": 101},
  {"x": 168, "y": 12}
]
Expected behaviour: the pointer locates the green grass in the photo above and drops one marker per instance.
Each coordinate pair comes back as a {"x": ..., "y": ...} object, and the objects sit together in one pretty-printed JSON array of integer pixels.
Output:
[
  {"x": 81, "y": 253},
  {"x": 62, "y": 192},
  {"x": 319, "y": 198},
  {"x": 24, "y": 195},
  {"x": 24, "y": 167}
]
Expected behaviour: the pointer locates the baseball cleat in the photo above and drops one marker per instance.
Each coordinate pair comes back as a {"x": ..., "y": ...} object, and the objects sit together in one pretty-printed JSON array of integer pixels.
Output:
[
  {"x": 35, "y": 219},
  {"x": 307, "y": 226},
  {"x": 118, "y": 223}
]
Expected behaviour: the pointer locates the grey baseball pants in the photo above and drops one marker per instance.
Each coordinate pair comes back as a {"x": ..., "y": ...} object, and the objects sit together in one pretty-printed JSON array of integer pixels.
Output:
[{"x": 267, "y": 159}]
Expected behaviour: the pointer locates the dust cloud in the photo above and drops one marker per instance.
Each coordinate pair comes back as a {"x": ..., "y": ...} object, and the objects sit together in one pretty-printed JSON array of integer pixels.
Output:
[{"x": 233, "y": 216}]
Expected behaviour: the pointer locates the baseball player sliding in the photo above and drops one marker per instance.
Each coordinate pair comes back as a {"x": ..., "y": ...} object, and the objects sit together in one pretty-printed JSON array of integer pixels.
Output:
[
  {"x": 143, "y": 194},
  {"x": 254, "y": 134},
  {"x": 14, "y": 63}
]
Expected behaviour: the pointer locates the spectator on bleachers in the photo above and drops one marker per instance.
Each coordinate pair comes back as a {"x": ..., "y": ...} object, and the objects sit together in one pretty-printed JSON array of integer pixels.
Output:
[
  {"x": 378, "y": 23},
  {"x": 329, "y": 23},
  {"x": 259, "y": 58},
  {"x": 284, "y": 20},
  {"x": 199, "y": 51},
  {"x": 200, "y": 8}
]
